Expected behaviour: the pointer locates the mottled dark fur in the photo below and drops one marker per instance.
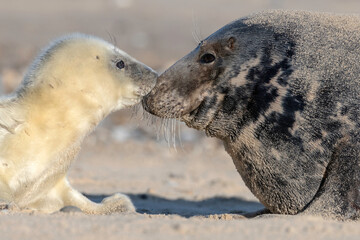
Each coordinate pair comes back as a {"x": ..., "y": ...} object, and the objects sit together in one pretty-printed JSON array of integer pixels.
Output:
[{"x": 283, "y": 93}]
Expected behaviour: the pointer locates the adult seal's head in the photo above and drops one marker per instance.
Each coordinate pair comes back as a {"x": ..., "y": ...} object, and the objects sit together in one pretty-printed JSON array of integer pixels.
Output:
[
  {"x": 218, "y": 77},
  {"x": 281, "y": 90}
]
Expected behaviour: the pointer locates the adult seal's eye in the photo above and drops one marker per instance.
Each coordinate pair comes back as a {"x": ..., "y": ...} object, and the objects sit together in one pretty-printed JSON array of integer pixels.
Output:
[
  {"x": 207, "y": 58},
  {"x": 120, "y": 64}
]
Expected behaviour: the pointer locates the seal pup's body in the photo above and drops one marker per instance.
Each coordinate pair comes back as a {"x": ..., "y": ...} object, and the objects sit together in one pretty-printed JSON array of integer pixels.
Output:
[
  {"x": 69, "y": 89},
  {"x": 282, "y": 90}
]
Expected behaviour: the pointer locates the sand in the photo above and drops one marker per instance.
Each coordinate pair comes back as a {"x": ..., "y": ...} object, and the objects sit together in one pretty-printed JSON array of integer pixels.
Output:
[{"x": 191, "y": 191}]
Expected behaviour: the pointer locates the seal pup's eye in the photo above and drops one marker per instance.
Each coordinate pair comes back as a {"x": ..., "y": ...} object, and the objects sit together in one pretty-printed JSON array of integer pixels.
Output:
[
  {"x": 120, "y": 64},
  {"x": 207, "y": 58}
]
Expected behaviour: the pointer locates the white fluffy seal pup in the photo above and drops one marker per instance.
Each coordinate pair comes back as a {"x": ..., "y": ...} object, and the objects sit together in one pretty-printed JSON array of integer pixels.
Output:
[{"x": 71, "y": 86}]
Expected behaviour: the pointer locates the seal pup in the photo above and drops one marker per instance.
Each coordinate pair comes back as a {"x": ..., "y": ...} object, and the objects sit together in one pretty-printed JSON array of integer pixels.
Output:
[
  {"x": 71, "y": 86},
  {"x": 282, "y": 90}
]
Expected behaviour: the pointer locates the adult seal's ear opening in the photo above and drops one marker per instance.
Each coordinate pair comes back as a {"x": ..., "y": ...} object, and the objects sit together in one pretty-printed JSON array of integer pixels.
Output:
[{"x": 281, "y": 89}]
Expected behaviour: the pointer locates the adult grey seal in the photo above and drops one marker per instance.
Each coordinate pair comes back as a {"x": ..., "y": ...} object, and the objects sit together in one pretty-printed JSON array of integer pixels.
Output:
[
  {"x": 72, "y": 85},
  {"x": 282, "y": 90}
]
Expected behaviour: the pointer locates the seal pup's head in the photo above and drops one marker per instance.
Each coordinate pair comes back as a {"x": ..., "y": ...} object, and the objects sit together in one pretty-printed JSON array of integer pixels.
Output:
[{"x": 78, "y": 66}]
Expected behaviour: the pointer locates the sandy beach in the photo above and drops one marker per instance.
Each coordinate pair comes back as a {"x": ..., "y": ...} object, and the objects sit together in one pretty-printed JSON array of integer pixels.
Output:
[{"x": 183, "y": 184}]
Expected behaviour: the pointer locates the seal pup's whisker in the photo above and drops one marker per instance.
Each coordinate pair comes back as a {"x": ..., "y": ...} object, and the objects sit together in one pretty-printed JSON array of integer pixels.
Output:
[
  {"x": 112, "y": 40},
  {"x": 135, "y": 110}
]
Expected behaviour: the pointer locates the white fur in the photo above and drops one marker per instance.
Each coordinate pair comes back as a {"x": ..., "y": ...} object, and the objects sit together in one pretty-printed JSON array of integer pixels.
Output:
[{"x": 68, "y": 90}]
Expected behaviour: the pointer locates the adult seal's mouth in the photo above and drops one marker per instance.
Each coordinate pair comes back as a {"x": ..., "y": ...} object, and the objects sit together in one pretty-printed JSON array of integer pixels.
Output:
[
  {"x": 169, "y": 107},
  {"x": 190, "y": 116},
  {"x": 200, "y": 117}
]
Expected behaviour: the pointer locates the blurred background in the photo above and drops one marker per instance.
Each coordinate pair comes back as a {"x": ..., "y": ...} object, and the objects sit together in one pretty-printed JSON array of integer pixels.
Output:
[{"x": 157, "y": 32}]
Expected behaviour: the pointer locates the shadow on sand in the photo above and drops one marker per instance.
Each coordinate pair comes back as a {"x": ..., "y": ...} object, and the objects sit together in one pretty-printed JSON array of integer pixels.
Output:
[{"x": 151, "y": 204}]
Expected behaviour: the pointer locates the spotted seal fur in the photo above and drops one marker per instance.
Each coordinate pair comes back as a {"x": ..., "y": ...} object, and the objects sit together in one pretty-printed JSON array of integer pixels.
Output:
[{"x": 282, "y": 90}]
